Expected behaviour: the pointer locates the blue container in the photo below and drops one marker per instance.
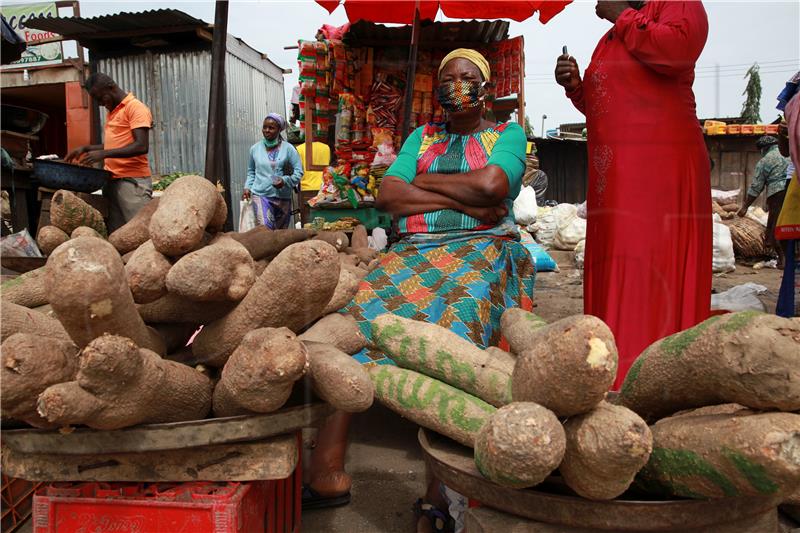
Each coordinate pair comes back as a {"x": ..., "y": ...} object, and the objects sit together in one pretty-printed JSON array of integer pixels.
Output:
[{"x": 58, "y": 175}]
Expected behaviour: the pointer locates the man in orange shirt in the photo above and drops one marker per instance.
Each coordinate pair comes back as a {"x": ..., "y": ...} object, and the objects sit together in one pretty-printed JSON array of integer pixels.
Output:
[{"x": 124, "y": 149}]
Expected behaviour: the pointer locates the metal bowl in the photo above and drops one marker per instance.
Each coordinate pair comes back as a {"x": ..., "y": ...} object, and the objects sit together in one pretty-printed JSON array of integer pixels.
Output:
[
  {"x": 21, "y": 119},
  {"x": 59, "y": 175}
]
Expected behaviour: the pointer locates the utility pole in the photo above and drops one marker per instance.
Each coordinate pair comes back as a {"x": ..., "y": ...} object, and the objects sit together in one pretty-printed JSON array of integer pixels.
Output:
[{"x": 543, "y": 119}]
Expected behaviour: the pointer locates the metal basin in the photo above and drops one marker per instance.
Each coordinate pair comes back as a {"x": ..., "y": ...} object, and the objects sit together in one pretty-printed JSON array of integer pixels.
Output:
[
  {"x": 59, "y": 175},
  {"x": 21, "y": 119}
]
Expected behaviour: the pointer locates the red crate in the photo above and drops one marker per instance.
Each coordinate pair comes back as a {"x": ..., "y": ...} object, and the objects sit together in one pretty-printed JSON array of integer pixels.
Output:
[{"x": 17, "y": 501}]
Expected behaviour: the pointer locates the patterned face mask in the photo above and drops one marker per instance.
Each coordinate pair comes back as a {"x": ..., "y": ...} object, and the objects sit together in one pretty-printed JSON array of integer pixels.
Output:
[{"x": 459, "y": 95}]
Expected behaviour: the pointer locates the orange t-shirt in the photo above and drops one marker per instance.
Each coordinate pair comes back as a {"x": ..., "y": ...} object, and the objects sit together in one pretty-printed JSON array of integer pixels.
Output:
[{"x": 127, "y": 116}]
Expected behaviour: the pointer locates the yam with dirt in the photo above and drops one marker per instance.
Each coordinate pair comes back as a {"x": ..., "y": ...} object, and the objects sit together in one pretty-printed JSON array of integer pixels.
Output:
[
  {"x": 27, "y": 289},
  {"x": 146, "y": 272},
  {"x": 346, "y": 289},
  {"x": 431, "y": 403},
  {"x": 176, "y": 336},
  {"x": 120, "y": 384},
  {"x": 19, "y": 319},
  {"x": 358, "y": 272},
  {"x": 339, "y": 330},
  {"x": 260, "y": 266},
  {"x": 260, "y": 373},
  {"x": 223, "y": 270},
  {"x": 520, "y": 328},
  {"x": 749, "y": 358},
  {"x": 439, "y": 353},
  {"x": 89, "y": 293},
  {"x": 711, "y": 453},
  {"x": 172, "y": 308},
  {"x": 337, "y": 239},
  {"x": 359, "y": 238},
  {"x": 48, "y": 238},
  {"x": 136, "y": 231},
  {"x": 606, "y": 447},
  {"x": 364, "y": 255},
  {"x": 217, "y": 221},
  {"x": 68, "y": 212},
  {"x": 570, "y": 368},
  {"x": 84, "y": 231},
  {"x": 263, "y": 243},
  {"x": 292, "y": 292},
  {"x": 31, "y": 363},
  {"x": 339, "y": 379},
  {"x": 184, "y": 212},
  {"x": 520, "y": 445}
]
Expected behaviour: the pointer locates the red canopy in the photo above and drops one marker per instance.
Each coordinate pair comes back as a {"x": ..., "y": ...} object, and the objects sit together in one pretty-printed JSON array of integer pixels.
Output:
[{"x": 402, "y": 11}]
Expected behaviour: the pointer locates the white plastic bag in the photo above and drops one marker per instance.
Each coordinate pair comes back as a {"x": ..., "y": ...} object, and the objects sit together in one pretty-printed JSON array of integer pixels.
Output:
[
  {"x": 580, "y": 254},
  {"x": 247, "y": 217},
  {"x": 545, "y": 227},
  {"x": 525, "y": 207},
  {"x": 19, "y": 244},
  {"x": 378, "y": 240},
  {"x": 740, "y": 298},
  {"x": 582, "y": 210},
  {"x": 571, "y": 228},
  {"x": 723, "y": 259},
  {"x": 758, "y": 214}
]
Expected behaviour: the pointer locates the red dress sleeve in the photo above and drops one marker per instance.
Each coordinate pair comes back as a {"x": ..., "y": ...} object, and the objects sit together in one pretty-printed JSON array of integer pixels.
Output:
[
  {"x": 669, "y": 38},
  {"x": 578, "y": 98}
]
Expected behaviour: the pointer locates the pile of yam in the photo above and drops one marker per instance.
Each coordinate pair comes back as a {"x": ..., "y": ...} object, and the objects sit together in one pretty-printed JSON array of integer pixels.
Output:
[
  {"x": 170, "y": 319},
  {"x": 747, "y": 236}
]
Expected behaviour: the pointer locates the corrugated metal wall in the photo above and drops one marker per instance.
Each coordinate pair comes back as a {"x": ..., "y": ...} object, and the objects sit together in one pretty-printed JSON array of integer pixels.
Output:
[{"x": 171, "y": 84}]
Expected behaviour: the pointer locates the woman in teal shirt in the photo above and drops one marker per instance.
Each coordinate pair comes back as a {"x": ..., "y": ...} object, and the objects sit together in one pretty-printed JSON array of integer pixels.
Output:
[{"x": 273, "y": 172}]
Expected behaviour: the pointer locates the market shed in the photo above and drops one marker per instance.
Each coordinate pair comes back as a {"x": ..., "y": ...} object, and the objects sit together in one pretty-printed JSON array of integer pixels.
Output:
[{"x": 164, "y": 58}]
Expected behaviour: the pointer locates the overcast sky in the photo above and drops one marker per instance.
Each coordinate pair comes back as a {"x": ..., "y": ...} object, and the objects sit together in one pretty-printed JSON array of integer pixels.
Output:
[{"x": 741, "y": 32}]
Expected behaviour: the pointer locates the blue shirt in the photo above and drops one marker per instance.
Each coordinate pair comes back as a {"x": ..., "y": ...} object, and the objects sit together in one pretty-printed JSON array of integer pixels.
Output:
[{"x": 261, "y": 169}]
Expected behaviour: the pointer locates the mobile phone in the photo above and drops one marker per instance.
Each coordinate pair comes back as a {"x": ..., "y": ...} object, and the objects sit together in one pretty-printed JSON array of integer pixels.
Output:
[{"x": 564, "y": 50}]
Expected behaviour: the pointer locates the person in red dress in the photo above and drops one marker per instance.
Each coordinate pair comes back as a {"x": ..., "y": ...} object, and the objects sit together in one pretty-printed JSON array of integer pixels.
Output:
[{"x": 649, "y": 227}]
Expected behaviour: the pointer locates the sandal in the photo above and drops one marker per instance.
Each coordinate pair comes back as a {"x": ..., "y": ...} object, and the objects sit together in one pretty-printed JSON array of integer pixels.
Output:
[
  {"x": 314, "y": 500},
  {"x": 441, "y": 522}
]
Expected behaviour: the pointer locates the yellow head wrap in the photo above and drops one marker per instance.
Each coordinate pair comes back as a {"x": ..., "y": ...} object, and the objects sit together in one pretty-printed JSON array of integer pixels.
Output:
[{"x": 472, "y": 56}]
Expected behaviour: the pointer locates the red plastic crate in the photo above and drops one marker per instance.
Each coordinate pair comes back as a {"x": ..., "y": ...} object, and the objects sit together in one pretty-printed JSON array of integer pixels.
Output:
[{"x": 17, "y": 501}]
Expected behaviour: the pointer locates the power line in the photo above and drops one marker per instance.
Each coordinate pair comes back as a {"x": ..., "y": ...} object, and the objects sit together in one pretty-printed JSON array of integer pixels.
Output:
[{"x": 767, "y": 66}]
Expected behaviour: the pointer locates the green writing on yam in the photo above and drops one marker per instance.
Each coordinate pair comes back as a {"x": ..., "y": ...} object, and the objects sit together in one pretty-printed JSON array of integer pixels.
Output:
[
  {"x": 632, "y": 375},
  {"x": 669, "y": 466},
  {"x": 737, "y": 321},
  {"x": 676, "y": 344},
  {"x": 754, "y": 473}
]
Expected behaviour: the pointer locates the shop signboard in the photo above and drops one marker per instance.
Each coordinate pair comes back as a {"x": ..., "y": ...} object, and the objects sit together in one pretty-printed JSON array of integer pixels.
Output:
[{"x": 36, "y": 54}]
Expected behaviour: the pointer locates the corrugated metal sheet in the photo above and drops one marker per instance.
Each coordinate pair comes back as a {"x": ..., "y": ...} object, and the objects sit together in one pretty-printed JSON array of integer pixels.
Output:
[
  {"x": 432, "y": 34},
  {"x": 124, "y": 21}
]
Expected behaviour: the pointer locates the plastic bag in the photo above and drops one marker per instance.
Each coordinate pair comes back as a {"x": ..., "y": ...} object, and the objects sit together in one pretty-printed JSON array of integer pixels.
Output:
[
  {"x": 580, "y": 254},
  {"x": 571, "y": 229},
  {"x": 525, "y": 206},
  {"x": 723, "y": 259},
  {"x": 546, "y": 226},
  {"x": 758, "y": 214},
  {"x": 582, "y": 210},
  {"x": 740, "y": 298},
  {"x": 19, "y": 244},
  {"x": 247, "y": 217},
  {"x": 378, "y": 240},
  {"x": 541, "y": 259}
]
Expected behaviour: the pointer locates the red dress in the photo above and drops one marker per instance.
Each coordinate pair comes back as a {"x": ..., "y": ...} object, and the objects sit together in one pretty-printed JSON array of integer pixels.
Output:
[{"x": 649, "y": 232}]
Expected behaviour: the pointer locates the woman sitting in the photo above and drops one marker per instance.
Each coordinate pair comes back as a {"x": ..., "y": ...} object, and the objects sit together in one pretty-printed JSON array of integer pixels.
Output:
[
  {"x": 459, "y": 263},
  {"x": 273, "y": 172}
]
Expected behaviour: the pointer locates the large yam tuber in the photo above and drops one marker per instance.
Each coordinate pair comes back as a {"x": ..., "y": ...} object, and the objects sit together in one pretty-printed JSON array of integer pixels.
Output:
[
  {"x": 175, "y": 336},
  {"x": 186, "y": 208},
  {"x": 520, "y": 328},
  {"x": 359, "y": 239},
  {"x": 346, "y": 289},
  {"x": 431, "y": 403},
  {"x": 120, "y": 385},
  {"x": 520, "y": 445},
  {"x": 217, "y": 222},
  {"x": 339, "y": 379},
  {"x": 31, "y": 363},
  {"x": 442, "y": 354},
  {"x": 84, "y": 231},
  {"x": 27, "y": 289},
  {"x": 136, "y": 231},
  {"x": 89, "y": 293},
  {"x": 222, "y": 270},
  {"x": 606, "y": 447},
  {"x": 260, "y": 374},
  {"x": 338, "y": 330},
  {"x": 292, "y": 292},
  {"x": 146, "y": 272},
  {"x": 337, "y": 239},
  {"x": 711, "y": 453},
  {"x": 68, "y": 212},
  {"x": 19, "y": 319},
  {"x": 749, "y": 358},
  {"x": 49, "y": 238},
  {"x": 171, "y": 309},
  {"x": 570, "y": 368},
  {"x": 363, "y": 255},
  {"x": 263, "y": 243}
]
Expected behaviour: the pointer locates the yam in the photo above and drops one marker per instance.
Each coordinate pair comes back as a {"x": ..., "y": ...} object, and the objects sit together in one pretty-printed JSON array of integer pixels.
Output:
[
  {"x": 222, "y": 270},
  {"x": 747, "y": 236},
  {"x": 263, "y": 243},
  {"x": 19, "y": 319},
  {"x": 120, "y": 384},
  {"x": 339, "y": 379},
  {"x": 346, "y": 289},
  {"x": 31, "y": 363},
  {"x": 431, "y": 403},
  {"x": 359, "y": 239},
  {"x": 220, "y": 217},
  {"x": 347, "y": 259},
  {"x": 520, "y": 328},
  {"x": 136, "y": 231},
  {"x": 570, "y": 367},
  {"x": 606, "y": 447},
  {"x": 146, "y": 273},
  {"x": 49, "y": 238},
  {"x": 260, "y": 266},
  {"x": 84, "y": 231},
  {"x": 27, "y": 289},
  {"x": 292, "y": 292},
  {"x": 185, "y": 210},
  {"x": 749, "y": 358},
  {"x": 339, "y": 330},
  {"x": 337, "y": 239},
  {"x": 709, "y": 453},
  {"x": 89, "y": 294},
  {"x": 172, "y": 308},
  {"x": 175, "y": 336},
  {"x": 68, "y": 212},
  {"x": 364, "y": 254},
  {"x": 520, "y": 445},
  {"x": 444, "y": 355},
  {"x": 260, "y": 374},
  {"x": 360, "y": 273}
]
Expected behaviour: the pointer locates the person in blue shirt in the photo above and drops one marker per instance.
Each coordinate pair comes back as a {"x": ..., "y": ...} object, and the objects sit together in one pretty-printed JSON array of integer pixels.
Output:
[{"x": 273, "y": 172}]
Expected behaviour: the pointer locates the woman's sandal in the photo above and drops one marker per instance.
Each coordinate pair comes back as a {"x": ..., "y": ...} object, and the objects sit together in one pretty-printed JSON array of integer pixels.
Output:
[
  {"x": 441, "y": 522},
  {"x": 314, "y": 500}
]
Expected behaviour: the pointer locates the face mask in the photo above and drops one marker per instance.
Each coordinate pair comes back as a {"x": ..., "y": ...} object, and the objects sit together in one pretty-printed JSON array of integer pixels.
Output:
[
  {"x": 271, "y": 143},
  {"x": 459, "y": 95}
]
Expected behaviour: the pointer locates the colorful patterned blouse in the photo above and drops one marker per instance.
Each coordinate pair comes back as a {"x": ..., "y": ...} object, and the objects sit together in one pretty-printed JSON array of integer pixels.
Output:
[{"x": 431, "y": 150}]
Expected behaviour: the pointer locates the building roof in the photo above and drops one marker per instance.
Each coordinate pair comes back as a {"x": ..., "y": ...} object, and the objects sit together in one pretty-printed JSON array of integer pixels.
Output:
[{"x": 432, "y": 34}]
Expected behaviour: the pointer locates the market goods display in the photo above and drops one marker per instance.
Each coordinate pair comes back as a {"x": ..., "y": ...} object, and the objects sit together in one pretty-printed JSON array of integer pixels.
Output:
[
  {"x": 146, "y": 272},
  {"x": 19, "y": 319},
  {"x": 136, "y": 231},
  {"x": 68, "y": 212},
  {"x": 606, "y": 447},
  {"x": 747, "y": 236},
  {"x": 26, "y": 289},
  {"x": 223, "y": 270},
  {"x": 48, "y": 238},
  {"x": 569, "y": 367},
  {"x": 749, "y": 358},
  {"x": 337, "y": 239},
  {"x": 359, "y": 239},
  {"x": 338, "y": 330},
  {"x": 346, "y": 289},
  {"x": 520, "y": 328},
  {"x": 520, "y": 445},
  {"x": 263, "y": 243},
  {"x": 173, "y": 308},
  {"x": 119, "y": 384},
  {"x": 339, "y": 379}
]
